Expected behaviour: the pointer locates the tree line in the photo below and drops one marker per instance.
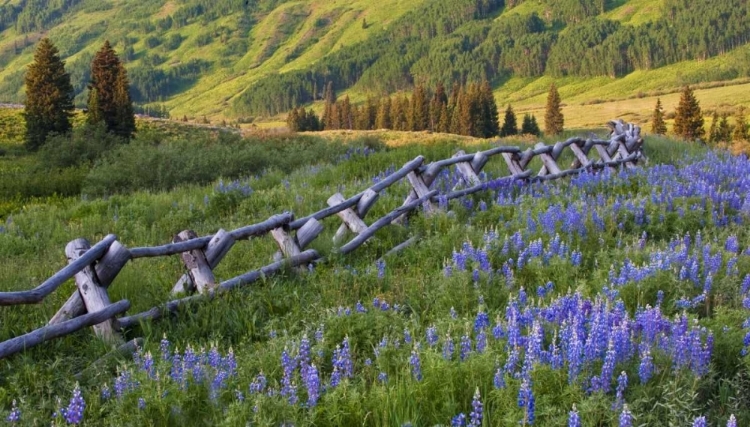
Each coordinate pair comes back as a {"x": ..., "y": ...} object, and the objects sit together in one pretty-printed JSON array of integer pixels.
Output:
[
  {"x": 689, "y": 122},
  {"x": 49, "y": 95},
  {"x": 443, "y": 42},
  {"x": 466, "y": 110}
]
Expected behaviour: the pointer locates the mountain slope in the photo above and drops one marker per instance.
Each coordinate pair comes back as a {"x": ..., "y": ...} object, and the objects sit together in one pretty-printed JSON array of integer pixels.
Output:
[{"x": 250, "y": 59}]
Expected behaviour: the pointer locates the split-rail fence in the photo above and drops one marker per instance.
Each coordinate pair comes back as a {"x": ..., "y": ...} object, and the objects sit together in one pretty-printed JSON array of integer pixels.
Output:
[{"x": 95, "y": 267}]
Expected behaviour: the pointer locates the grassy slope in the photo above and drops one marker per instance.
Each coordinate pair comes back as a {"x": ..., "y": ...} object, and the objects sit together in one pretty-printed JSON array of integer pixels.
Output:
[{"x": 311, "y": 29}]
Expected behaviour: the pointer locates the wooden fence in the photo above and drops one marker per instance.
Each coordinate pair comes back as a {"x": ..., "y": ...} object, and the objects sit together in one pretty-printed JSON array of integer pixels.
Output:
[{"x": 95, "y": 267}]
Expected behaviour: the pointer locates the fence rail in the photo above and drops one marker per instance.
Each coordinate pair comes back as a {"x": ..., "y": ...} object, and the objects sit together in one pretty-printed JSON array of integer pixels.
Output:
[{"x": 95, "y": 267}]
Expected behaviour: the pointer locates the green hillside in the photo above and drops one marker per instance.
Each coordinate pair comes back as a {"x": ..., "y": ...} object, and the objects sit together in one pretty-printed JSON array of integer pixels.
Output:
[{"x": 256, "y": 59}]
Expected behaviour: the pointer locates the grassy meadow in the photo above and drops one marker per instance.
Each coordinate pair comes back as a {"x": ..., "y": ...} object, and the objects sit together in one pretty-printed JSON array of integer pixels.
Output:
[{"x": 607, "y": 296}]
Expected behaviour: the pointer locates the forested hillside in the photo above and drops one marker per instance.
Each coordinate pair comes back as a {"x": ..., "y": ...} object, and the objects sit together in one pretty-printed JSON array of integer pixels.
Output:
[{"x": 245, "y": 59}]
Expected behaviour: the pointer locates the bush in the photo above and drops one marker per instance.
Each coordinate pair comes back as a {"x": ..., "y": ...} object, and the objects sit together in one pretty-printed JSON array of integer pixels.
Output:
[{"x": 83, "y": 147}]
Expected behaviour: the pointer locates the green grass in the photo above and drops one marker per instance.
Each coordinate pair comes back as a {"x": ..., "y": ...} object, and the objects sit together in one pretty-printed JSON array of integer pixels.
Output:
[{"x": 291, "y": 305}]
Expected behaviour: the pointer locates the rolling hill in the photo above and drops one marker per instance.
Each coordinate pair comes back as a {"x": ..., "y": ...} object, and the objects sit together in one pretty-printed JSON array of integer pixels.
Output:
[{"x": 253, "y": 60}]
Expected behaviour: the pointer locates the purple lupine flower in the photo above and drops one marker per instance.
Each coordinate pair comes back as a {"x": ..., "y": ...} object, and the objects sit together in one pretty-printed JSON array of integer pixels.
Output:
[
  {"x": 239, "y": 395},
  {"x": 141, "y": 403},
  {"x": 659, "y": 297},
  {"x": 745, "y": 285},
  {"x": 459, "y": 420},
  {"x": 448, "y": 348},
  {"x": 700, "y": 422},
  {"x": 622, "y": 383},
  {"x": 499, "y": 380},
  {"x": 380, "y": 264},
  {"x": 432, "y": 336},
  {"x": 732, "y": 244},
  {"x": 164, "y": 348},
  {"x": 481, "y": 342},
  {"x": 475, "y": 275},
  {"x": 361, "y": 308},
  {"x": 481, "y": 322},
  {"x": 646, "y": 367},
  {"x": 626, "y": 418},
  {"x": 732, "y": 421},
  {"x": 382, "y": 377},
  {"x": 73, "y": 414},
  {"x": 312, "y": 382},
  {"x": 15, "y": 414},
  {"x": 574, "y": 420},
  {"x": 527, "y": 402},
  {"x": 475, "y": 417},
  {"x": 453, "y": 313},
  {"x": 465, "y": 347},
  {"x": 407, "y": 336},
  {"x": 105, "y": 393},
  {"x": 448, "y": 270},
  {"x": 416, "y": 366}
]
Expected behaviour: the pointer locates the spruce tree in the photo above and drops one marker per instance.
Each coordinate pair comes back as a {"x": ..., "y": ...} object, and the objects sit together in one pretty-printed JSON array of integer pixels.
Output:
[
  {"x": 510, "y": 127},
  {"x": 330, "y": 99},
  {"x": 293, "y": 121},
  {"x": 529, "y": 125},
  {"x": 740, "y": 126},
  {"x": 444, "y": 120},
  {"x": 658, "y": 126},
  {"x": 313, "y": 123},
  {"x": 346, "y": 115},
  {"x": 124, "y": 117},
  {"x": 488, "y": 117},
  {"x": 724, "y": 129},
  {"x": 553, "y": 117},
  {"x": 104, "y": 71},
  {"x": 419, "y": 115},
  {"x": 688, "y": 121},
  {"x": 712, "y": 135},
  {"x": 383, "y": 118},
  {"x": 49, "y": 96}
]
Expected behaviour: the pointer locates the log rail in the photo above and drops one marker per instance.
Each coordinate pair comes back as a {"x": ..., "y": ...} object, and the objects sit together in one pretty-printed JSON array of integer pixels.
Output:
[{"x": 95, "y": 267}]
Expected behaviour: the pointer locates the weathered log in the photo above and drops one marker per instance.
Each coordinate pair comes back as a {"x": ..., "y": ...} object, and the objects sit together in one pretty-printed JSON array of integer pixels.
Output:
[
  {"x": 106, "y": 270},
  {"x": 386, "y": 182},
  {"x": 467, "y": 173},
  {"x": 547, "y": 160},
  {"x": 382, "y": 222},
  {"x": 483, "y": 186},
  {"x": 348, "y": 216},
  {"x": 264, "y": 227},
  {"x": 581, "y": 157},
  {"x": 195, "y": 261},
  {"x": 170, "y": 249},
  {"x": 525, "y": 158},
  {"x": 603, "y": 154},
  {"x": 217, "y": 248},
  {"x": 363, "y": 206},
  {"x": 512, "y": 162},
  {"x": 421, "y": 189},
  {"x": 50, "y": 332},
  {"x": 172, "y": 306},
  {"x": 480, "y": 159},
  {"x": 94, "y": 296},
  {"x": 308, "y": 232},
  {"x": 428, "y": 177},
  {"x": 99, "y": 366},
  {"x": 287, "y": 244},
  {"x": 37, "y": 294}
]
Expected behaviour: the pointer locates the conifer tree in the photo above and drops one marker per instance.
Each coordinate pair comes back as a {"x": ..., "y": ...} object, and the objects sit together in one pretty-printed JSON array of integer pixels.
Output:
[
  {"x": 383, "y": 118},
  {"x": 444, "y": 122},
  {"x": 419, "y": 112},
  {"x": 712, "y": 135},
  {"x": 740, "y": 132},
  {"x": 395, "y": 114},
  {"x": 347, "y": 118},
  {"x": 466, "y": 103},
  {"x": 371, "y": 112},
  {"x": 49, "y": 96},
  {"x": 293, "y": 120},
  {"x": 529, "y": 125},
  {"x": 487, "y": 115},
  {"x": 330, "y": 99},
  {"x": 313, "y": 124},
  {"x": 553, "y": 117},
  {"x": 658, "y": 126},
  {"x": 510, "y": 127},
  {"x": 124, "y": 117},
  {"x": 403, "y": 113},
  {"x": 439, "y": 99},
  {"x": 109, "y": 85},
  {"x": 724, "y": 129},
  {"x": 688, "y": 121}
]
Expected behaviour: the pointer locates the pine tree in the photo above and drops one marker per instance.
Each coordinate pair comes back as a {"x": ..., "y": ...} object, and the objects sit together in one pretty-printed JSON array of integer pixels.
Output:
[
  {"x": 712, "y": 135},
  {"x": 529, "y": 125},
  {"x": 510, "y": 127},
  {"x": 330, "y": 99},
  {"x": 371, "y": 113},
  {"x": 553, "y": 117},
  {"x": 104, "y": 71},
  {"x": 346, "y": 116},
  {"x": 49, "y": 96},
  {"x": 488, "y": 117},
  {"x": 383, "y": 118},
  {"x": 444, "y": 122},
  {"x": 658, "y": 127},
  {"x": 688, "y": 121},
  {"x": 419, "y": 115},
  {"x": 439, "y": 99},
  {"x": 466, "y": 108},
  {"x": 313, "y": 124},
  {"x": 740, "y": 126},
  {"x": 293, "y": 120},
  {"x": 724, "y": 129},
  {"x": 124, "y": 117}
]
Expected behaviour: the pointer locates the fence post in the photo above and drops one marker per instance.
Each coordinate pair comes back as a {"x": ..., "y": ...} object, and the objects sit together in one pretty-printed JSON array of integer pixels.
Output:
[
  {"x": 195, "y": 261},
  {"x": 350, "y": 218},
  {"x": 94, "y": 296},
  {"x": 217, "y": 248}
]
